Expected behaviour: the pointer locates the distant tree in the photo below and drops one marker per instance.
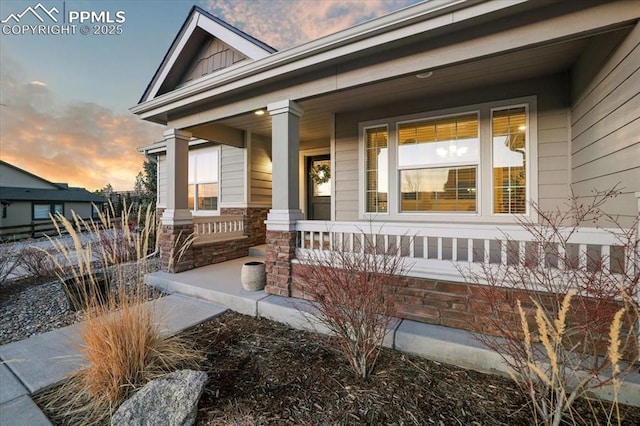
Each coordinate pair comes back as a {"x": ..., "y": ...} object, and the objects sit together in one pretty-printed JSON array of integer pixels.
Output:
[
  {"x": 139, "y": 189},
  {"x": 106, "y": 191},
  {"x": 150, "y": 181}
]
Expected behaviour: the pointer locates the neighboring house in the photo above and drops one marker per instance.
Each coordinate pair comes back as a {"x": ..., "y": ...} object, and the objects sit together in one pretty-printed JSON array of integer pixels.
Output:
[
  {"x": 443, "y": 121},
  {"x": 27, "y": 201}
]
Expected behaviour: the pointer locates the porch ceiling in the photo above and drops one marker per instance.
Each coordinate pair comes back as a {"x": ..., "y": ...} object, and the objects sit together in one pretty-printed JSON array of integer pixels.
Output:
[{"x": 519, "y": 65}]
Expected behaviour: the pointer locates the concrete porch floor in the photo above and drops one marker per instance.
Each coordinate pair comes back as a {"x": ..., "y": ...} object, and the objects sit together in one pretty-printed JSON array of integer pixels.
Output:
[{"x": 220, "y": 284}]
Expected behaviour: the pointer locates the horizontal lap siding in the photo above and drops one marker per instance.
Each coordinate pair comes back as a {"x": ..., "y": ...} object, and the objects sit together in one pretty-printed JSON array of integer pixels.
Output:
[
  {"x": 232, "y": 174},
  {"x": 606, "y": 128},
  {"x": 260, "y": 170},
  {"x": 346, "y": 170},
  {"x": 553, "y": 151},
  {"x": 162, "y": 181}
]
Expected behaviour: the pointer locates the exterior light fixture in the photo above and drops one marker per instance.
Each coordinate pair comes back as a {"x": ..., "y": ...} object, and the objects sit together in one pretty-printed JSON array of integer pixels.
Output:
[
  {"x": 259, "y": 112},
  {"x": 425, "y": 74}
]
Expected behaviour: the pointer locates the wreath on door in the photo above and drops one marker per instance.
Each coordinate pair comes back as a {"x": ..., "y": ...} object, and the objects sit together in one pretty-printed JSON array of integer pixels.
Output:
[{"x": 320, "y": 173}]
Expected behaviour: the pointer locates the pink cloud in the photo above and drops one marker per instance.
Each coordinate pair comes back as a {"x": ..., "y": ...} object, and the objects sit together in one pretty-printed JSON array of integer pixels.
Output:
[
  {"x": 82, "y": 144},
  {"x": 284, "y": 24}
]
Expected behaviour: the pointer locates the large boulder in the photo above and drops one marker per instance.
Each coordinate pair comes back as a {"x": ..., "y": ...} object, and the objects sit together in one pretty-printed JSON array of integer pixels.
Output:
[{"x": 170, "y": 400}]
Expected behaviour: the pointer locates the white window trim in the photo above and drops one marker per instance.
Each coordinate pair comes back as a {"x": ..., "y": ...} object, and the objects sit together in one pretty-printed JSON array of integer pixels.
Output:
[
  {"x": 363, "y": 167},
  {"x": 484, "y": 211},
  {"x": 195, "y": 211}
]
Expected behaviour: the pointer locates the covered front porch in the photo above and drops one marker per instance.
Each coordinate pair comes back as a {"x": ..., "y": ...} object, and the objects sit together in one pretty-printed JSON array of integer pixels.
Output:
[{"x": 441, "y": 131}]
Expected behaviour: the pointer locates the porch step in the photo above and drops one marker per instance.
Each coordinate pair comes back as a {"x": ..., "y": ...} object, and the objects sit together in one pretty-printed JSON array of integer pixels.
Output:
[{"x": 257, "y": 251}]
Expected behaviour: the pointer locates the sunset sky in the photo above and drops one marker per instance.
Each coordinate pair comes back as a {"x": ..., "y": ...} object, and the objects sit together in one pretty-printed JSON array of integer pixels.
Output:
[{"x": 65, "y": 97}]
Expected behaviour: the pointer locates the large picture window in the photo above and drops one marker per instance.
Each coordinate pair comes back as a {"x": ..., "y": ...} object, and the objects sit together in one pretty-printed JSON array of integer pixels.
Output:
[
  {"x": 203, "y": 179},
  {"x": 479, "y": 160},
  {"x": 437, "y": 162},
  {"x": 376, "y": 165}
]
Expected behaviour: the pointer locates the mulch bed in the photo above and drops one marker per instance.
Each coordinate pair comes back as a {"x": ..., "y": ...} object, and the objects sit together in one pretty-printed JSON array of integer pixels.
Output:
[{"x": 262, "y": 372}]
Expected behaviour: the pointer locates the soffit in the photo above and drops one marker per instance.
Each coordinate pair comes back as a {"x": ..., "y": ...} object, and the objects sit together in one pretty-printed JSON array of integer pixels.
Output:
[{"x": 315, "y": 122}]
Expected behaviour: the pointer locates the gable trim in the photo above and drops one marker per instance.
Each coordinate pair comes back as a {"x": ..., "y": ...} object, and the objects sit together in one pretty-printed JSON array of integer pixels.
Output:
[{"x": 198, "y": 18}]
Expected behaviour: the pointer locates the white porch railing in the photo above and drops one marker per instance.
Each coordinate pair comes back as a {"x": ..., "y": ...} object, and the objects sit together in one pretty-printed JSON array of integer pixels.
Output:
[
  {"x": 218, "y": 228},
  {"x": 437, "y": 251}
]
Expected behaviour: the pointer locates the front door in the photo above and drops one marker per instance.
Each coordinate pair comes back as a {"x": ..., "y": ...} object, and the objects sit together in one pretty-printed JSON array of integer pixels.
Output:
[{"x": 318, "y": 171}]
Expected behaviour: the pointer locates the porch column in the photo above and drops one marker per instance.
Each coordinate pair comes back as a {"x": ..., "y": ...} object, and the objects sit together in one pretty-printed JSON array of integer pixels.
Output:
[
  {"x": 285, "y": 211},
  {"x": 176, "y": 220}
]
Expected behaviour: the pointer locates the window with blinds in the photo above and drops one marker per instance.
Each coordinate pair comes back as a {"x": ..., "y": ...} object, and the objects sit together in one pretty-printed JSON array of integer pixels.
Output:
[
  {"x": 438, "y": 162},
  {"x": 509, "y": 147},
  {"x": 203, "y": 179},
  {"x": 376, "y": 169}
]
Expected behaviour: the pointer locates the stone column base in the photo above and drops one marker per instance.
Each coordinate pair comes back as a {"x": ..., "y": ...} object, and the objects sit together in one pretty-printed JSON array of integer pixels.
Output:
[
  {"x": 281, "y": 249},
  {"x": 171, "y": 240}
]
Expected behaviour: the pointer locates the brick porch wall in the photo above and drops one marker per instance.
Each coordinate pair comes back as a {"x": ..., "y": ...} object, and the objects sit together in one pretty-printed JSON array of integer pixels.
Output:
[
  {"x": 468, "y": 307},
  {"x": 170, "y": 239},
  {"x": 219, "y": 251},
  {"x": 254, "y": 226},
  {"x": 281, "y": 249}
]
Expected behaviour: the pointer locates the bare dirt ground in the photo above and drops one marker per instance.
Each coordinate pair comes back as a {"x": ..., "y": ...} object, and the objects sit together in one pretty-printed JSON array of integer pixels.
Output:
[{"x": 264, "y": 373}]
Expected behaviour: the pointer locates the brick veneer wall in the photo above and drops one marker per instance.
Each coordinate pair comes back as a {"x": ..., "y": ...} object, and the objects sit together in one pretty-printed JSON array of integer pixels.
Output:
[
  {"x": 254, "y": 226},
  {"x": 171, "y": 238},
  {"x": 475, "y": 307},
  {"x": 281, "y": 249},
  {"x": 219, "y": 251},
  {"x": 202, "y": 254}
]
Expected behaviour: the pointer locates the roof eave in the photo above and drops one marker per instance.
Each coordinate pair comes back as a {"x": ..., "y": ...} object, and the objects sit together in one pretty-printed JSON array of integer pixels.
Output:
[{"x": 428, "y": 14}]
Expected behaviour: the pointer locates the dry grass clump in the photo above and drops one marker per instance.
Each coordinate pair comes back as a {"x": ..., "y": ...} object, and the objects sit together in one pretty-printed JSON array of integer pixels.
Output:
[
  {"x": 568, "y": 328},
  {"x": 120, "y": 337}
]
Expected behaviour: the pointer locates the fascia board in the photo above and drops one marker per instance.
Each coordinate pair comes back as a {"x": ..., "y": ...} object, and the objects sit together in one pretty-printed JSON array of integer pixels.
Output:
[
  {"x": 410, "y": 21},
  {"x": 177, "y": 48}
]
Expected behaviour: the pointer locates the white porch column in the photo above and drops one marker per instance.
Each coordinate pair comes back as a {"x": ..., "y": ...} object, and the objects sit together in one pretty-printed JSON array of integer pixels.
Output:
[
  {"x": 285, "y": 141},
  {"x": 177, "y": 210}
]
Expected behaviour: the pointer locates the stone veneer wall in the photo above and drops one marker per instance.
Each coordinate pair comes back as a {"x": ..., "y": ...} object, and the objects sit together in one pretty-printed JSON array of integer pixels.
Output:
[
  {"x": 171, "y": 238},
  {"x": 202, "y": 254},
  {"x": 467, "y": 306},
  {"x": 254, "y": 226},
  {"x": 281, "y": 249}
]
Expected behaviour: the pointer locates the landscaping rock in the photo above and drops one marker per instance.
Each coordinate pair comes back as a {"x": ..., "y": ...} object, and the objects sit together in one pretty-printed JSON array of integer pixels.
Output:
[{"x": 171, "y": 400}]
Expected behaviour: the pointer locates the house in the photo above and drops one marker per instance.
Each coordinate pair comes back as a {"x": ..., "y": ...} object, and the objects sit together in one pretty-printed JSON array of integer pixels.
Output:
[
  {"x": 443, "y": 121},
  {"x": 28, "y": 201}
]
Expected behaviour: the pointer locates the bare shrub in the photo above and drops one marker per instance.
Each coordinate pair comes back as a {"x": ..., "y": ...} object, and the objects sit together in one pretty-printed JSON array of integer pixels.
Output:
[
  {"x": 120, "y": 337},
  {"x": 35, "y": 261},
  {"x": 8, "y": 261},
  {"x": 565, "y": 325},
  {"x": 351, "y": 292}
]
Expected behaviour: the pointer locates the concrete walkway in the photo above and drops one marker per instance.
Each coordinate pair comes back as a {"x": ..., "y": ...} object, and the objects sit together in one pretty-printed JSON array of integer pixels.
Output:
[
  {"x": 44, "y": 360},
  {"x": 198, "y": 295}
]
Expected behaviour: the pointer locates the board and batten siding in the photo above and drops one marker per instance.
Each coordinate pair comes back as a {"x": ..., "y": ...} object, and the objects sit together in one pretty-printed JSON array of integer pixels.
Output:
[
  {"x": 214, "y": 55},
  {"x": 232, "y": 174},
  {"x": 553, "y": 103},
  {"x": 605, "y": 126},
  {"x": 260, "y": 170}
]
